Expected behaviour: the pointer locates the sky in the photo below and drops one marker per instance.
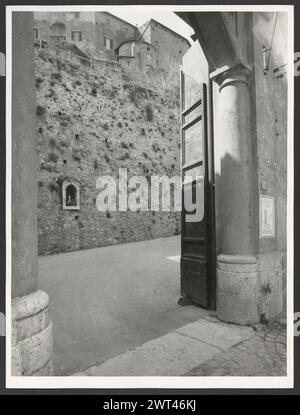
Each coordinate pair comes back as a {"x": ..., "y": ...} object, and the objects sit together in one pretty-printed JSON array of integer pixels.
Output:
[{"x": 169, "y": 19}]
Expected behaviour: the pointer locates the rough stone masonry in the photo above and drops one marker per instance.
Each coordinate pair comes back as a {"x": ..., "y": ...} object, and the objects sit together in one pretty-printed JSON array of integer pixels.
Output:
[{"x": 91, "y": 122}]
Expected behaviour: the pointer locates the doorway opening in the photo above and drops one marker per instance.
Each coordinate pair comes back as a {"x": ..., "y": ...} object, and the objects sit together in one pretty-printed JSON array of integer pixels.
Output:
[{"x": 137, "y": 116}]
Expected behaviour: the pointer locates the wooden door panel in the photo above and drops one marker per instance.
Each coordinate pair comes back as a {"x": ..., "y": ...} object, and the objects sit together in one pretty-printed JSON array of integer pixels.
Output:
[
  {"x": 194, "y": 283},
  {"x": 194, "y": 238}
]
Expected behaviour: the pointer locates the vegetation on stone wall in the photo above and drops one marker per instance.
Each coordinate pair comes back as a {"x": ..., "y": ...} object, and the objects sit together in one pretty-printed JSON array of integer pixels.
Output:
[{"x": 91, "y": 122}]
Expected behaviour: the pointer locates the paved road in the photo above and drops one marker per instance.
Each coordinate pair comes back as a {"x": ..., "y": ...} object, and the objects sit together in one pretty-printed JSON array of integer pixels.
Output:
[{"x": 107, "y": 300}]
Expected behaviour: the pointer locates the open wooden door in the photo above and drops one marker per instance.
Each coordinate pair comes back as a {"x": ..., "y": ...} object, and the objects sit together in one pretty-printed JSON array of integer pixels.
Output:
[{"x": 197, "y": 237}]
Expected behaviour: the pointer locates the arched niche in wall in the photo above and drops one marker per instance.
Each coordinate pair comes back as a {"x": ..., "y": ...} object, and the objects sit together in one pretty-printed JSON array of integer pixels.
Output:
[
  {"x": 58, "y": 30},
  {"x": 70, "y": 195}
]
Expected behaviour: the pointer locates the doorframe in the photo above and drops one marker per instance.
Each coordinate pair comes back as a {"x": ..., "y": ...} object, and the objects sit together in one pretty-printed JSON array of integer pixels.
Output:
[
  {"x": 209, "y": 190},
  {"x": 211, "y": 207}
]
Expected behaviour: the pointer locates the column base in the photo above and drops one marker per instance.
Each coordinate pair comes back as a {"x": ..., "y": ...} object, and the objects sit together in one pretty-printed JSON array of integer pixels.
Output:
[
  {"x": 237, "y": 289},
  {"x": 32, "y": 345}
]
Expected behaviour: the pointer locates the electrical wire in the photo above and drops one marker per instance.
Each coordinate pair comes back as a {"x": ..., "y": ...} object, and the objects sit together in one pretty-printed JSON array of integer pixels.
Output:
[{"x": 271, "y": 44}]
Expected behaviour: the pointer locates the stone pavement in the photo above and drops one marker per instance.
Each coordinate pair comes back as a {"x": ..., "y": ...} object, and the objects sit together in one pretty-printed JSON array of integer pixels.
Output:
[
  {"x": 206, "y": 347},
  {"x": 263, "y": 354},
  {"x": 107, "y": 300}
]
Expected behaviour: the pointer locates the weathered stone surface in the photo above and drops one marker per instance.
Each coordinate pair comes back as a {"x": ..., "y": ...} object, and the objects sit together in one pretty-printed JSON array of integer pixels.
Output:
[
  {"x": 29, "y": 315},
  {"x": 237, "y": 295},
  {"x": 46, "y": 370},
  {"x": 233, "y": 263},
  {"x": 232, "y": 310},
  {"x": 91, "y": 122},
  {"x": 216, "y": 334},
  {"x": 271, "y": 275},
  {"x": 29, "y": 305},
  {"x": 16, "y": 364},
  {"x": 14, "y": 332},
  {"x": 24, "y": 158},
  {"x": 36, "y": 351},
  {"x": 263, "y": 354},
  {"x": 32, "y": 349},
  {"x": 170, "y": 355},
  {"x": 27, "y": 327},
  {"x": 237, "y": 282}
]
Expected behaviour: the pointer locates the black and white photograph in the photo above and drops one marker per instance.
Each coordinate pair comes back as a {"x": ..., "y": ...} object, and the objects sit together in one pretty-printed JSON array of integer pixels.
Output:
[{"x": 149, "y": 196}]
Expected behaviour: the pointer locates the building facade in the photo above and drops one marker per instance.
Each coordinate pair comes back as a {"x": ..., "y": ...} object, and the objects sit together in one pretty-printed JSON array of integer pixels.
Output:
[{"x": 96, "y": 33}]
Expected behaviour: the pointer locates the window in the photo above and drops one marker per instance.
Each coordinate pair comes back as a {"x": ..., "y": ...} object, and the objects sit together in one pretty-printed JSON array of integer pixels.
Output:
[
  {"x": 76, "y": 15},
  {"x": 35, "y": 33},
  {"x": 70, "y": 195},
  {"x": 107, "y": 21},
  {"x": 108, "y": 43},
  {"x": 76, "y": 35}
]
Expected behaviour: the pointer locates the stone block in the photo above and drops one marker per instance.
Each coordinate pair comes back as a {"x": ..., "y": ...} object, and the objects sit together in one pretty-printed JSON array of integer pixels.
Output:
[
  {"x": 32, "y": 348},
  {"x": 29, "y": 305},
  {"x": 36, "y": 351},
  {"x": 237, "y": 289},
  {"x": 27, "y": 327}
]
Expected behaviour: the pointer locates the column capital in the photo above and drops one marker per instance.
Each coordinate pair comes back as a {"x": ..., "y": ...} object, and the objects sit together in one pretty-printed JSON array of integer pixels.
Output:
[{"x": 227, "y": 75}]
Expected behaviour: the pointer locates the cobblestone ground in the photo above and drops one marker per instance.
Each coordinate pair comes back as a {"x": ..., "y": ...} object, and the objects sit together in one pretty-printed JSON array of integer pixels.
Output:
[{"x": 264, "y": 354}]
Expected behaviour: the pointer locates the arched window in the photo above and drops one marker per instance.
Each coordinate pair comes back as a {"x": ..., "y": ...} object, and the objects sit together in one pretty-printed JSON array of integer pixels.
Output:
[
  {"x": 70, "y": 195},
  {"x": 58, "y": 31}
]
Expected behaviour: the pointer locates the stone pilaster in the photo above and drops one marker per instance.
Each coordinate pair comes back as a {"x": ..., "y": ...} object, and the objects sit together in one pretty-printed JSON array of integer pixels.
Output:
[{"x": 31, "y": 328}]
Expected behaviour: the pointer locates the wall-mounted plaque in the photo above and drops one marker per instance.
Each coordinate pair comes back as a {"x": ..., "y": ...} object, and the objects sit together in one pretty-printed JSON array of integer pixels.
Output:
[{"x": 267, "y": 216}]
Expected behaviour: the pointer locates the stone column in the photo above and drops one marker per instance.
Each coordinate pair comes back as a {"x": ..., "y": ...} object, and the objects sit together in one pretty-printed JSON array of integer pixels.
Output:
[
  {"x": 237, "y": 285},
  {"x": 31, "y": 327}
]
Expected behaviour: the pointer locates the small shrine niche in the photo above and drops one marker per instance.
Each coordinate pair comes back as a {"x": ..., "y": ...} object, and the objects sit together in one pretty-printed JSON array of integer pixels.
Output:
[{"x": 71, "y": 195}]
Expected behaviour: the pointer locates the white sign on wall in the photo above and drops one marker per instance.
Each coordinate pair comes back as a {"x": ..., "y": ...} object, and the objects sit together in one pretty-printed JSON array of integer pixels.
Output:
[{"x": 267, "y": 216}]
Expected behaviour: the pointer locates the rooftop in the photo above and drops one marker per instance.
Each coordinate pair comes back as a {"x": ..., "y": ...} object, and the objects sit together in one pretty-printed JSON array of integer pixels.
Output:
[
  {"x": 118, "y": 18},
  {"x": 167, "y": 28}
]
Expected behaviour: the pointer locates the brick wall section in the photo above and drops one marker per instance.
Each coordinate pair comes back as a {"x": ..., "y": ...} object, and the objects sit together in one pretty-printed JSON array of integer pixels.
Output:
[{"x": 91, "y": 122}]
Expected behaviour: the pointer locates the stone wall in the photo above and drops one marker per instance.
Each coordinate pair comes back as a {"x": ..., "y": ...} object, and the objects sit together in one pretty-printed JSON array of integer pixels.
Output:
[
  {"x": 147, "y": 64},
  {"x": 169, "y": 50},
  {"x": 271, "y": 121},
  {"x": 91, "y": 122}
]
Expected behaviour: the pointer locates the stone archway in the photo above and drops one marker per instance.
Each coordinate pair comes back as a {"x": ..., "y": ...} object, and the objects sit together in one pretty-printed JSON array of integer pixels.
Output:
[{"x": 240, "y": 264}]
